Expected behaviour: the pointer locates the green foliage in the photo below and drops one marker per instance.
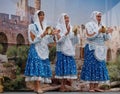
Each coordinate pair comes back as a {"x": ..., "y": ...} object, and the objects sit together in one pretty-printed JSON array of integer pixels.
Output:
[
  {"x": 118, "y": 62},
  {"x": 22, "y": 52},
  {"x": 7, "y": 65},
  {"x": 12, "y": 51},
  {"x": 113, "y": 72},
  {"x": 19, "y": 55},
  {"x": 114, "y": 69},
  {"x": 1, "y": 48},
  {"x": 52, "y": 53},
  {"x": 18, "y": 70},
  {"x": 19, "y": 52},
  {"x": 15, "y": 84},
  {"x": 105, "y": 87}
]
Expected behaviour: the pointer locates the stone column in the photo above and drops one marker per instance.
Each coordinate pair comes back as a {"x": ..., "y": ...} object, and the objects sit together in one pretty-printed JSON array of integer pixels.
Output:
[
  {"x": 37, "y": 5},
  {"x": 25, "y": 8}
]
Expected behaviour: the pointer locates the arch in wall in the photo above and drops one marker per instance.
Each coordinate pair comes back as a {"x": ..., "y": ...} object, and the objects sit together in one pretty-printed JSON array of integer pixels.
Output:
[
  {"x": 20, "y": 39},
  {"x": 3, "y": 42},
  {"x": 118, "y": 52}
]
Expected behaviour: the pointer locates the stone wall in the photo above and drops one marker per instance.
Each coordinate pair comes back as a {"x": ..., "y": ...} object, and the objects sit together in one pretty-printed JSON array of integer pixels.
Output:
[{"x": 12, "y": 27}]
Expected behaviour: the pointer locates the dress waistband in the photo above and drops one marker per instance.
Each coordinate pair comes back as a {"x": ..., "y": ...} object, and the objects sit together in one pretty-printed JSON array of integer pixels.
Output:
[{"x": 94, "y": 43}]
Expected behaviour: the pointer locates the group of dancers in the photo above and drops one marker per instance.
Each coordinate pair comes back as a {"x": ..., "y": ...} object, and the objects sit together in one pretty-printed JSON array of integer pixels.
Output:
[{"x": 38, "y": 68}]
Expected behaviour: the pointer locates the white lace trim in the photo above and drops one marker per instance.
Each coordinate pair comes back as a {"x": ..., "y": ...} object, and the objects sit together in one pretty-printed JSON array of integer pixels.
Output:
[
  {"x": 66, "y": 77},
  {"x": 43, "y": 80},
  {"x": 107, "y": 82}
]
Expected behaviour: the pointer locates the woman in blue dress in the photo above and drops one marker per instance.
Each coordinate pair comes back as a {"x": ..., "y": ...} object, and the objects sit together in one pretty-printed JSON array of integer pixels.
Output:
[
  {"x": 65, "y": 65},
  {"x": 38, "y": 65},
  {"x": 94, "y": 69}
]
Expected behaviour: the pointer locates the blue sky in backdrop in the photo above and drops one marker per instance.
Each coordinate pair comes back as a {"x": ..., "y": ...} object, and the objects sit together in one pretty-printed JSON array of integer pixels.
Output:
[{"x": 79, "y": 10}]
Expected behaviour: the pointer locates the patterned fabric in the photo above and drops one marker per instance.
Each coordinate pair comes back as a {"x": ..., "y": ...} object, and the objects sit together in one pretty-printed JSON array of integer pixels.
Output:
[
  {"x": 65, "y": 67},
  {"x": 35, "y": 66},
  {"x": 92, "y": 69}
]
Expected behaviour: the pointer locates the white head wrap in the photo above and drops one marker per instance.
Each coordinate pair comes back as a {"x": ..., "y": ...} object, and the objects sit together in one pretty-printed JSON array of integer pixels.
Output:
[
  {"x": 67, "y": 47},
  {"x": 37, "y": 22},
  {"x": 93, "y": 16},
  {"x": 61, "y": 22},
  {"x": 36, "y": 27},
  {"x": 92, "y": 26}
]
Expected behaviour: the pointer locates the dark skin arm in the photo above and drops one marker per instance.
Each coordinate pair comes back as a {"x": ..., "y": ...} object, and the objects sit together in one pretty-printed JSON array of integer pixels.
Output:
[{"x": 32, "y": 36}]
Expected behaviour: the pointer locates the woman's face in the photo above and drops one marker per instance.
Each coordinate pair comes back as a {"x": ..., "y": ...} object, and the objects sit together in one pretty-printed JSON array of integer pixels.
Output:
[
  {"x": 98, "y": 17},
  {"x": 66, "y": 19},
  {"x": 41, "y": 17}
]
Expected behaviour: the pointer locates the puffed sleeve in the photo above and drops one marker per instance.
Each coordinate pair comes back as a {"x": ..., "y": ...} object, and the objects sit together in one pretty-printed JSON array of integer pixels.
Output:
[
  {"x": 90, "y": 29},
  {"x": 32, "y": 29}
]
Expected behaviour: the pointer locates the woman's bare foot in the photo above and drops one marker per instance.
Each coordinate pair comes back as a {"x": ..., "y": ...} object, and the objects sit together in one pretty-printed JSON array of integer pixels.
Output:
[
  {"x": 39, "y": 91},
  {"x": 98, "y": 90},
  {"x": 91, "y": 90},
  {"x": 63, "y": 89}
]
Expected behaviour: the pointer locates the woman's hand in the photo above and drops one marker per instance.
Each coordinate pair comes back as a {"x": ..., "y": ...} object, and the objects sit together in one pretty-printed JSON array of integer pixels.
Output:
[
  {"x": 55, "y": 32},
  {"x": 66, "y": 33},
  {"x": 44, "y": 34},
  {"x": 68, "y": 30},
  {"x": 109, "y": 30}
]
